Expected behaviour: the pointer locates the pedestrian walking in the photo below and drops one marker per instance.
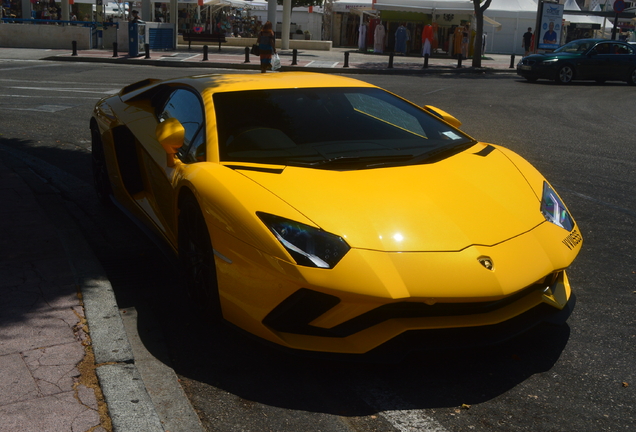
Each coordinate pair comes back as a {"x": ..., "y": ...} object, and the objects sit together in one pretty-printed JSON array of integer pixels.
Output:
[
  {"x": 267, "y": 46},
  {"x": 527, "y": 41}
]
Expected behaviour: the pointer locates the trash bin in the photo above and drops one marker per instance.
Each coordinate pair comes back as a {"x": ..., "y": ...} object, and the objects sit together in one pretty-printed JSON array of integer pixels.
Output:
[{"x": 136, "y": 39}]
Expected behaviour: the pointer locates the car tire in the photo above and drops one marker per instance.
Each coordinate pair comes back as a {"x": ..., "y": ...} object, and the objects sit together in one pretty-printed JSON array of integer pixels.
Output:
[
  {"x": 565, "y": 75},
  {"x": 631, "y": 78},
  {"x": 101, "y": 181},
  {"x": 196, "y": 258}
]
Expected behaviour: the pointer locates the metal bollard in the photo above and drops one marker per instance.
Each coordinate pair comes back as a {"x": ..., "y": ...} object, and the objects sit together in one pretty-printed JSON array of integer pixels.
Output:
[
  {"x": 459, "y": 61},
  {"x": 74, "y": 44},
  {"x": 294, "y": 57},
  {"x": 391, "y": 60},
  {"x": 247, "y": 55},
  {"x": 512, "y": 62},
  {"x": 205, "y": 53},
  {"x": 147, "y": 49},
  {"x": 346, "y": 61},
  {"x": 115, "y": 54},
  {"x": 425, "y": 61}
]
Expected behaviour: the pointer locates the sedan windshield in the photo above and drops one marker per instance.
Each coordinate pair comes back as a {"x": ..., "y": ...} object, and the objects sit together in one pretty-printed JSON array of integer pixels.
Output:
[
  {"x": 576, "y": 46},
  {"x": 330, "y": 128}
]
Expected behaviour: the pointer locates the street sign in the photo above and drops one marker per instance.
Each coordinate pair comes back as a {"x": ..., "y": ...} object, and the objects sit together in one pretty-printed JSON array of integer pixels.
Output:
[{"x": 619, "y": 6}]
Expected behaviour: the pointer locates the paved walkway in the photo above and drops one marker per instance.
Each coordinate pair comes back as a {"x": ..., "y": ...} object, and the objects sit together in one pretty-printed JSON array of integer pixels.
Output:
[
  {"x": 338, "y": 60},
  {"x": 66, "y": 363},
  {"x": 47, "y": 377}
]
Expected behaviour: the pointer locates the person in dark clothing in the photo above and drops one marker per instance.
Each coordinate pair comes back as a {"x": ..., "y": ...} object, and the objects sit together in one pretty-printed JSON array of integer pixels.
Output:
[{"x": 527, "y": 41}]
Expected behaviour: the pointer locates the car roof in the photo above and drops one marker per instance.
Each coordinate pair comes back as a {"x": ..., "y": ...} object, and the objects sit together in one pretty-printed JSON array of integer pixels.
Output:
[{"x": 215, "y": 83}]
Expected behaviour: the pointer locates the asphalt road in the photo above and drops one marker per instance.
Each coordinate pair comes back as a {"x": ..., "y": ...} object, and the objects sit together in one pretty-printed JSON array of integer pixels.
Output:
[{"x": 579, "y": 377}]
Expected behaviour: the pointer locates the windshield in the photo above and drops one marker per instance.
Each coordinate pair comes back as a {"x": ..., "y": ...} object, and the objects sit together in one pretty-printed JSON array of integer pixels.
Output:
[
  {"x": 329, "y": 128},
  {"x": 576, "y": 46}
]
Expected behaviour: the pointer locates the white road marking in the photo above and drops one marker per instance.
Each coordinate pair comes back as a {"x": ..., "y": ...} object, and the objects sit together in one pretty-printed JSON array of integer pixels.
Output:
[
  {"x": 74, "y": 90},
  {"x": 28, "y": 67},
  {"x": 45, "y": 108},
  {"x": 40, "y": 97},
  {"x": 404, "y": 420}
]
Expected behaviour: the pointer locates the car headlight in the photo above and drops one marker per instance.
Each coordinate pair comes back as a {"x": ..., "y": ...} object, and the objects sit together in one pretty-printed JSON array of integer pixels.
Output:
[
  {"x": 550, "y": 61},
  {"x": 309, "y": 246},
  {"x": 554, "y": 210}
]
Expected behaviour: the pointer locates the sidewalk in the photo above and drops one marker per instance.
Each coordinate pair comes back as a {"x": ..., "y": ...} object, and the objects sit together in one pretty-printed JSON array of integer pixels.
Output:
[
  {"x": 47, "y": 381},
  {"x": 65, "y": 360},
  {"x": 338, "y": 60}
]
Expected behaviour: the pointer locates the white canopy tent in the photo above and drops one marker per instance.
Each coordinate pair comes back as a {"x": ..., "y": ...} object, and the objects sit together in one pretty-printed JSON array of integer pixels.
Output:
[{"x": 505, "y": 21}]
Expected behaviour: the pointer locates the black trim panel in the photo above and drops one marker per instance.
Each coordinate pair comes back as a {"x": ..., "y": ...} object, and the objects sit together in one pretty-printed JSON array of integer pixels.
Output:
[
  {"x": 485, "y": 151},
  {"x": 259, "y": 169},
  {"x": 294, "y": 314}
]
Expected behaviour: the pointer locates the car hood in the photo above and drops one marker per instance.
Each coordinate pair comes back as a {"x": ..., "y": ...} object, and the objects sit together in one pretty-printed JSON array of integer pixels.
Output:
[
  {"x": 561, "y": 56},
  {"x": 475, "y": 197}
]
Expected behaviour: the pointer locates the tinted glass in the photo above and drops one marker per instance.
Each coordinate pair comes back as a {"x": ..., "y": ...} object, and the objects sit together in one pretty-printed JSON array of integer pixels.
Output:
[
  {"x": 576, "y": 46},
  {"x": 328, "y": 126},
  {"x": 185, "y": 107}
]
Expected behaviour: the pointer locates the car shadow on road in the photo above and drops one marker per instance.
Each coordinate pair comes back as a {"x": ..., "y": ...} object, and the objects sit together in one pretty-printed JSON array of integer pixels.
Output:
[{"x": 210, "y": 355}]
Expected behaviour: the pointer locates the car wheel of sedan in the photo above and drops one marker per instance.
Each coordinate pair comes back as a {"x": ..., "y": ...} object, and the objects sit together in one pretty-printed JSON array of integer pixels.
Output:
[
  {"x": 196, "y": 257},
  {"x": 100, "y": 171},
  {"x": 565, "y": 74},
  {"x": 631, "y": 78}
]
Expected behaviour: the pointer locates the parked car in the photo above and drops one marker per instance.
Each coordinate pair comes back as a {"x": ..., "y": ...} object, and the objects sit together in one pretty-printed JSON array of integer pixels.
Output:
[
  {"x": 323, "y": 213},
  {"x": 583, "y": 59}
]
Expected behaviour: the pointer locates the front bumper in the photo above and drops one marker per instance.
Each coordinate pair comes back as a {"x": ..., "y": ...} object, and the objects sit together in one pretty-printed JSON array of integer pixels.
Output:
[
  {"x": 537, "y": 71},
  {"x": 372, "y": 297}
]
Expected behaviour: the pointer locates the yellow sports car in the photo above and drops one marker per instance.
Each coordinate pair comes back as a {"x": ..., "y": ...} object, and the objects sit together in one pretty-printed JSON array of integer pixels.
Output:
[{"x": 323, "y": 213}]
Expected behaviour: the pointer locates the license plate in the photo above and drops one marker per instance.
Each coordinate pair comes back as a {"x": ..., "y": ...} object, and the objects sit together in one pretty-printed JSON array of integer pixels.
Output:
[{"x": 525, "y": 67}]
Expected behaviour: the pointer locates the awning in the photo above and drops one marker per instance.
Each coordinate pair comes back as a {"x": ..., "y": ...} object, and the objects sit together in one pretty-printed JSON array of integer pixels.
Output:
[
  {"x": 427, "y": 6},
  {"x": 493, "y": 23}
]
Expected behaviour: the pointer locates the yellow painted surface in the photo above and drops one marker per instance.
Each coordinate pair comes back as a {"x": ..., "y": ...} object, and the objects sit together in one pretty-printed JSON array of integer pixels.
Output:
[{"x": 416, "y": 233}]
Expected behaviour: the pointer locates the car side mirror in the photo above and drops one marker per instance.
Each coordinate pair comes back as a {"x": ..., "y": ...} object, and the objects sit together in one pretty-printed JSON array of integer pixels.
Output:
[
  {"x": 443, "y": 115},
  {"x": 170, "y": 134}
]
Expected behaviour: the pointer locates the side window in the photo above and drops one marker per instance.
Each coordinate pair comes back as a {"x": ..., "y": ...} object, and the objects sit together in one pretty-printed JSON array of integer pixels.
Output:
[
  {"x": 603, "y": 48},
  {"x": 185, "y": 106}
]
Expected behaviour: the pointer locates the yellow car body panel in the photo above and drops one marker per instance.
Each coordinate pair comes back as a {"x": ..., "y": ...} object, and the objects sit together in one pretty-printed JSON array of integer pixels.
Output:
[
  {"x": 423, "y": 207},
  {"x": 466, "y": 230}
]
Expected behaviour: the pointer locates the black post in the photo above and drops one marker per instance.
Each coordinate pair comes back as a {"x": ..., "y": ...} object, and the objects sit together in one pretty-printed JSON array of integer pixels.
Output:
[
  {"x": 219, "y": 43},
  {"x": 391, "y": 60},
  {"x": 205, "y": 53},
  {"x": 115, "y": 49},
  {"x": 147, "y": 49},
  {"x": 512, "y": 62},
  {"x": 425, "y": 61},
  {"x": 247, "y": 55},
  {"x": 459, "y": 61},
  {"x": 74, "y": 43},
  {"x": 294, "y": 57},
  {"x": 346, "y": 61},
  {"x": 614, "y": 28}
]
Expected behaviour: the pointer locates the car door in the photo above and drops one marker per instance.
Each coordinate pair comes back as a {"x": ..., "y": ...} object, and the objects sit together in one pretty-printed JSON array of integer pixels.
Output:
[
  {"x": 620, "y": 61},
  {"x": 184, "y": 105},
  {"x": 595, "y": 63}
]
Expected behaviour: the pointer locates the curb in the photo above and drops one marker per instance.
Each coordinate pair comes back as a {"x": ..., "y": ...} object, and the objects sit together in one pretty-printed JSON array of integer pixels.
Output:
[
  {"x": 129, "y": 404},
  {"x": 435, "y": 70}
]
